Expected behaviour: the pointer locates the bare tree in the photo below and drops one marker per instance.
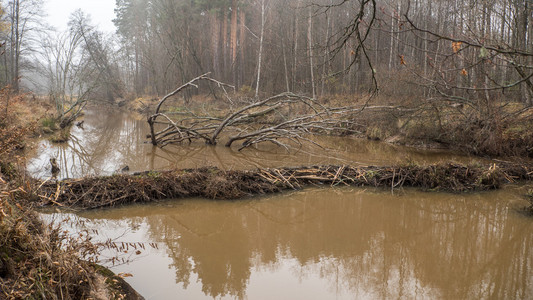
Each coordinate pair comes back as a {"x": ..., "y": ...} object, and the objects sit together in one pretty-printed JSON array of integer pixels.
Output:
[
  {"x": 74, "y": 67},
  {"x": 58, "y": 57},
  {"x": 480, "y": 54},
  {"x": 99, "y": 53},
  {"x": 196, "y": 131},
  {"x": 260, "y": 52},
  {"x": 24, "y": 18}
]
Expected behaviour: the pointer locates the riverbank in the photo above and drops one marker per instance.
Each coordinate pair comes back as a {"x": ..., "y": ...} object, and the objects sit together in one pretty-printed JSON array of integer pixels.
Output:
[
  {"x": 44, "y": 261},
  {"x": 39, "y": 261},
  {"x": 501, "y": 130}
]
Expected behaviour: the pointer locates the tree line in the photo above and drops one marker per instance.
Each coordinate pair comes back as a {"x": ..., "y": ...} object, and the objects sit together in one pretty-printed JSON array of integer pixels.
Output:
[{"x": 459, "y": 51}]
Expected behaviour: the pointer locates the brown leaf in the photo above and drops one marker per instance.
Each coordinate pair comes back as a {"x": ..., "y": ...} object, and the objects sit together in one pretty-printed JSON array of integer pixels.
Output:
[
  {"x": 124, "y": 275},
  {"x": 402, "y": 60},
  {"x": 456, "y": 46}
]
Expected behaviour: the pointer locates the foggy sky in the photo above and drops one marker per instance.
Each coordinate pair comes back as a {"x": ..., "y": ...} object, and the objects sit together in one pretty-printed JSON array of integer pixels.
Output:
[{"x": 101, "y": 12}]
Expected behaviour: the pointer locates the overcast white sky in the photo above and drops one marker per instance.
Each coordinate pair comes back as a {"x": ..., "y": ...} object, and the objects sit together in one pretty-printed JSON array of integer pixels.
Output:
[{"x": 101, "y": 12}]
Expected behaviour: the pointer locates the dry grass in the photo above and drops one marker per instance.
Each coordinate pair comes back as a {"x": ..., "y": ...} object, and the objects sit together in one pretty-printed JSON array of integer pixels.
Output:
[
  {"x": 39, "y": 261},
  {"x": 48, "y": 262},
  {"x": 22, "y": 110},
  {"x": 503, "y": 130},
  {"x": 506, "y": 132},
  {"x": 36, "y": 261},
  {"x": 60, "y": 136}
]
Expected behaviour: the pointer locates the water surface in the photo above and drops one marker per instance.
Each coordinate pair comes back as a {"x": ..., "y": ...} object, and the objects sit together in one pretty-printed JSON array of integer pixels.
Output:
[
  {"x": 319, "y": 243},
  {"x": 112, "y": 139},
  {"x": 327, "y": 243}
]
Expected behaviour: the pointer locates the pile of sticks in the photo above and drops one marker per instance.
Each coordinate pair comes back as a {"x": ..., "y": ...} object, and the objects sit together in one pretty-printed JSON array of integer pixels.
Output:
[{"x": 213, "y": 183}]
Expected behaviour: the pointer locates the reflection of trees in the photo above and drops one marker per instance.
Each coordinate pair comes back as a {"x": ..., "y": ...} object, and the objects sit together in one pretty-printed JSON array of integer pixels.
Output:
[
  {"x": 363, "y": 243},
  {"x": 495, "y": 247},
  {"x": 110, "y": 140},
  {"x": 113, "y": 139},
  {"x": 219, "y": 250}
]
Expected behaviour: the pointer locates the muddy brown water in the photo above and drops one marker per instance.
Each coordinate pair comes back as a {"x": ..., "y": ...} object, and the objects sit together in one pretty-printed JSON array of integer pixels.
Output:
[
  {"x": 318, "y": 243},
  {"x": 111, "y": 140}
]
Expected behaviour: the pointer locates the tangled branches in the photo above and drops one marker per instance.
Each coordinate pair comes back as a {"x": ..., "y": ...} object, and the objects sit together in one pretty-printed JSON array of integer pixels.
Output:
[
  {"x": 213, "y": 183},
  {"x": 295, "y": 116},
  {"x": 174, "y": 132}
]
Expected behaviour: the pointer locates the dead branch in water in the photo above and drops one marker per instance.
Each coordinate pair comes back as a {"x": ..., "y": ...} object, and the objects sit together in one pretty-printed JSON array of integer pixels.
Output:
[
  {"x": 292, "y": 118},
  {"x": 161, "y": 137},
  {"x": 213, "y": 183}
]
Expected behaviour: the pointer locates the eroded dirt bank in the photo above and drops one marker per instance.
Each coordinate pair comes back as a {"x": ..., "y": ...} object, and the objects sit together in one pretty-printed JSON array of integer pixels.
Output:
[{"x": 214, "y": 183}]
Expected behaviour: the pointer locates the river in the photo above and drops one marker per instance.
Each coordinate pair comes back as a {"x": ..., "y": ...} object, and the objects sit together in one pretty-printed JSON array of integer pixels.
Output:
[{"x": 317, "y": 243}]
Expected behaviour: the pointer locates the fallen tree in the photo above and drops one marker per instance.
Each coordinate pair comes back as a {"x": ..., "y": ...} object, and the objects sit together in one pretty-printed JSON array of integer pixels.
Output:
[
  {"x": 295, "y": 116},
  {"x": 213, "y": 183}
]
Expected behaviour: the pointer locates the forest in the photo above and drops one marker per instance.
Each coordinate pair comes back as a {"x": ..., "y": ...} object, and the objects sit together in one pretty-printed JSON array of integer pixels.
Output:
[
  {"x": 432, "y": 75},
  {"x": 431, "y": 67}
]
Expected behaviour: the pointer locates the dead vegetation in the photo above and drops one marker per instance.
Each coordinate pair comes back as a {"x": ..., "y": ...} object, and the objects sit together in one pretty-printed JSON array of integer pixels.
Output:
[
  {"x": 39, "y": 261},
  {"x": 499, "y": 128},
  {"x": 12, "y": 129},
  {"x": 213, "y": 183},
  {"x": 503, "y": 132},
  {"x": 292, "y": 117}
]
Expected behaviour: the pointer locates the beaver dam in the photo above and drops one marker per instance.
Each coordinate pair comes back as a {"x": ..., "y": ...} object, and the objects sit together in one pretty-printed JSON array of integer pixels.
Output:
[
  {"x": 213, "y": 183},
  {"x": 346, "y": 225}
]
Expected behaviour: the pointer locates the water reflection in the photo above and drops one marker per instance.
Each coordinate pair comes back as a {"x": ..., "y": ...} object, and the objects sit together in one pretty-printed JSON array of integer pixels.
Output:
[
  {"x": 113, "y": 139},
  {"x": 333, "y": 243},
  {"x": 106, "y": 143}
]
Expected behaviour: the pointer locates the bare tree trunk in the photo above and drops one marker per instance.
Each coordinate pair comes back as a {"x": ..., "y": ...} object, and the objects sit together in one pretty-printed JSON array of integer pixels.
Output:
[
  {"x": 242, "y": 37},
  {"x": 426, "y": 37},
  {"x": 398, "y": 30},
  {"x": 233, "y": 32},
  {"x": 503, "y": 20},
  {"x": 136, "y": 79},
  {"x": 287, "y": 83},
  {"x": 295, "y": 54},
  {"x": 16, "y": 74},
  {"x": 391, "y": 45},
  {"x": 530, "y": 47},
  {"x": 523, "y": 19},
  {"x": 310, "y": 52},
  {"x": 225, "y": 42},
  {"x": 15, "y": 45},
  {"x": 260, "y": 54},
  {"x": 233, "y": 41},
  {"x": 326, "y": 54},
  {"x": 215, "y": 34},
  {"x": 6, "y": 68}
]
